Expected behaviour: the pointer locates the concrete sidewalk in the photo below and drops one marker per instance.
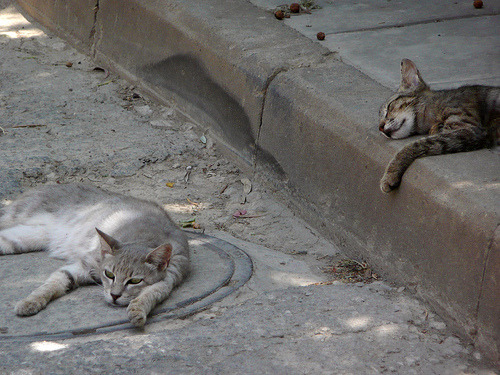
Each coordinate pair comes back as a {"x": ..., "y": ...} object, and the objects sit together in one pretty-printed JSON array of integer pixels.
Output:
[
  {"x": 269, "y": 92},
  {"x": 452, "y": 42}
]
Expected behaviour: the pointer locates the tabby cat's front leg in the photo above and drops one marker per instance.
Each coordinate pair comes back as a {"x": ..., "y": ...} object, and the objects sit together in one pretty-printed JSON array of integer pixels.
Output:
[
  {"x": 397, "y": 167},
  {"x": 58, "y": 284},
  {"x": 462, "y": 137}
]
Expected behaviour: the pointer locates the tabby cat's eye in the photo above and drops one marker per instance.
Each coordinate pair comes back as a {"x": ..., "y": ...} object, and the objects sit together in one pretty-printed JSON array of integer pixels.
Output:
[
  {"x": 134, "y": 281},
  {"x": 109, "y": 274}
]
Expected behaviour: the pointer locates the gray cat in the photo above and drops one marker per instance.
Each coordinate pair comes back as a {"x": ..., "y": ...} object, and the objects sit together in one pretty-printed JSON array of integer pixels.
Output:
[{"x": 130, "y": 245}]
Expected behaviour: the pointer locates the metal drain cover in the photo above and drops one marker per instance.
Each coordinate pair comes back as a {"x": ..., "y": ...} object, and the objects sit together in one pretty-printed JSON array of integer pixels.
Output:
[{"x": 218, "y": 268}]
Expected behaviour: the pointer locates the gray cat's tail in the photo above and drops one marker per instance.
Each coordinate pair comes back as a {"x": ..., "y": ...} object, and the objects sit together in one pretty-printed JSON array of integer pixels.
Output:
[{"x": 459, "y": 140}]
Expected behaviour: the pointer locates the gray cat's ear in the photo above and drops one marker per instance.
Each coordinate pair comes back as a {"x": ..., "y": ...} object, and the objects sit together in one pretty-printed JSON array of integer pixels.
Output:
[
  {"x": 410, "y": 77},
  {"x": 108, "y": 243},
  {"x": 160, "y": 257}
]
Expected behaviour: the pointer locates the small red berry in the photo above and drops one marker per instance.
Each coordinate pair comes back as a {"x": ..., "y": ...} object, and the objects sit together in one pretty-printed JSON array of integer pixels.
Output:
[
  {"x": 478, "y": 4},
  {"x": 320, "y": 36},
  {"x": 295, "y": 7},
  {"x": 279, "y": 14}
]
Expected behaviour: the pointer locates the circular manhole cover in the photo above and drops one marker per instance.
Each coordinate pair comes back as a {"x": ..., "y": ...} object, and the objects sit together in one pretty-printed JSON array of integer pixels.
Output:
[{"x": 218, "y": 268}]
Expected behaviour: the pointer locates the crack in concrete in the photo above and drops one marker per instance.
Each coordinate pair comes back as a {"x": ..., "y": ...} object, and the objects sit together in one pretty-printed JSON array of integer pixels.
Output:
[
  {"x": 92, "y": 35},
  {"x": 483, "y": 276},
  {"x": 268, "y": 82},
  {"x": 415, "y": 23}
]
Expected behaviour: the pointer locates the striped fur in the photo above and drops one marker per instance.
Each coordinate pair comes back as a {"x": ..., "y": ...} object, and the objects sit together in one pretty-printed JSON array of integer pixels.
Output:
[{"x": 457, "y": 120}]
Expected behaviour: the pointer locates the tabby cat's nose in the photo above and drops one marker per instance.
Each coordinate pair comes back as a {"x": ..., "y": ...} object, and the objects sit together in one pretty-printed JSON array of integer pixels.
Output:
[{"x": 115, "y": 296}]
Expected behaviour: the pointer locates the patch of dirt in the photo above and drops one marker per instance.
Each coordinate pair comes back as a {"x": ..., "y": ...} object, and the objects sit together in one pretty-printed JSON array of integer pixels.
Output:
[
  {"x": 352, "y": 271},
  {"x": 64, "y": 119}
]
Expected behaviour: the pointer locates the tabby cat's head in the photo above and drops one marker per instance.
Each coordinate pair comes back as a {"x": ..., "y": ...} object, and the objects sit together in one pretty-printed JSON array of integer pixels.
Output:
[
  {"x": 126, "y": 269},
  {"x": 398, "y": 115}
]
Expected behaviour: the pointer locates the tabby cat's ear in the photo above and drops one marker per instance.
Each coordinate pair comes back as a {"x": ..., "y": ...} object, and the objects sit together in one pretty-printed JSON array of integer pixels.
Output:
[
  {"x": 410, "y": 77},
  {"x": 108, "y": 243},
  {"x": 160, "y": 257}
]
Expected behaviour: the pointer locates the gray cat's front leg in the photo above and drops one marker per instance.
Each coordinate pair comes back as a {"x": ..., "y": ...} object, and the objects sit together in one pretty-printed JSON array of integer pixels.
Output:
[
  {"x": 140, "y": 307},
  {"x": 58, "y": 284}
]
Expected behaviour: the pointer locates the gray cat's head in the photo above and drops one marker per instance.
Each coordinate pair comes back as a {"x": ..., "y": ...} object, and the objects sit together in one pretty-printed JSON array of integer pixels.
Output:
[
  {"x": 398, "y": 114},
  {"x": 126, "y": 269}
]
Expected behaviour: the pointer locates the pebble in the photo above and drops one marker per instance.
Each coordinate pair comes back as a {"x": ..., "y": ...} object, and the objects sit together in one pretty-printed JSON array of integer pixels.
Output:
[
  {"x": 51, "y": 176},
  {"x": 168, "y": 112},
  {"x": 411, "y": 361},
  {"x": 434, "y": 360},
  {"x": 59, "y": 46},
  {"x": 451, "y": 346},
  {"x": 161, "y": 124},
  {"x": 437, "y": 325},
  {"x": 144, "y": 110},
  {"x": 33, "y": 172},
  {"x": 413, "y": 329}
]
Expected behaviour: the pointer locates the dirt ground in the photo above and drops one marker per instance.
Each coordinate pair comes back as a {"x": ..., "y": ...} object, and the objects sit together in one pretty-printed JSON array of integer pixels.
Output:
[{"x": 64, "y": 119}]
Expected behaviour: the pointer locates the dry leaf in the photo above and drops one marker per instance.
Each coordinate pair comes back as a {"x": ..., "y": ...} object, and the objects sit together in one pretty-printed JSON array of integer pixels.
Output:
[
  {"x": 247, "y": 185},
  {"x": 193, "y": 203},
  {"x": 187, "y": 223},
  {"x": 239, "y": 213}
]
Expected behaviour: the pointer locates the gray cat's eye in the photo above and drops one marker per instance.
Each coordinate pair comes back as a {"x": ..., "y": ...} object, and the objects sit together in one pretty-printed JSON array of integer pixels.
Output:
[
  {"x": 109, "y": 274},
  {"x": 134, "y": 281}
]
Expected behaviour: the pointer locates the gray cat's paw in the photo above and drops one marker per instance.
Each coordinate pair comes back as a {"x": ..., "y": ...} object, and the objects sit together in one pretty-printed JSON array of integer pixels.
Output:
[
  {"x": 28, "y": 307},
  {"x": 389, "y": 182},
  {"x": 6, "y": 247},
  {"x": 136, "y": 314}
]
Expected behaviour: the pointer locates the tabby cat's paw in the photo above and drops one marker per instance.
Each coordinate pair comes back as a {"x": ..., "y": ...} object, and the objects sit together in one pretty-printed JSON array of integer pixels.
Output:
[
  {"x": 136, "y": 314},
  {"x": 28, "y": 307},
  {"x": 389, "y": 182}
]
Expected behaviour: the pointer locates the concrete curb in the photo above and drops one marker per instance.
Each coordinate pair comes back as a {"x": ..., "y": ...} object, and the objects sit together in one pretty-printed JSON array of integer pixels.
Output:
[{"x": 260, "y": 86}]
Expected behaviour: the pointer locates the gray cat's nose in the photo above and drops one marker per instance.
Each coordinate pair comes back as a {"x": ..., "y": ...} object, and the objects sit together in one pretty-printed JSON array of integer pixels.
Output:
[{"x": 115, "y": 296}]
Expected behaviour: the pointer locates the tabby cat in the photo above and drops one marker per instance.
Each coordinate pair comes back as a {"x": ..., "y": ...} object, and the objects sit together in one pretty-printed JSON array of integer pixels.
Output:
[
  {"x": 129, "y": 245},
  {"x": 457, "y": 120}
]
